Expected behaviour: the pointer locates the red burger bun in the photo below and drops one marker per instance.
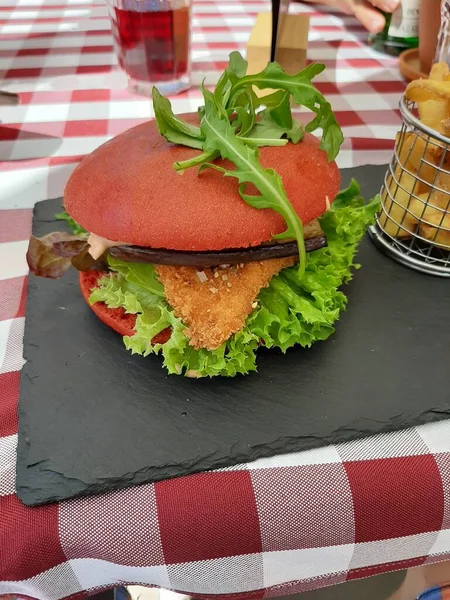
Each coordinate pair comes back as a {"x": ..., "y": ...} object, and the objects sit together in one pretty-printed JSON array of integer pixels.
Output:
[
  {"x": 116, "y": 318},
  {"x": 127, "y": 191}
]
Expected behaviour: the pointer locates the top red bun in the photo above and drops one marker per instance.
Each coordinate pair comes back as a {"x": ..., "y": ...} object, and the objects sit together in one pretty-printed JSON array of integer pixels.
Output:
[{"x": 128, "y": 191}]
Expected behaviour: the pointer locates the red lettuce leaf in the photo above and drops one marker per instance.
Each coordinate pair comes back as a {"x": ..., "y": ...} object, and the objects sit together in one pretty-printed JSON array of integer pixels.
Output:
[{"x": 53, "y": 254}]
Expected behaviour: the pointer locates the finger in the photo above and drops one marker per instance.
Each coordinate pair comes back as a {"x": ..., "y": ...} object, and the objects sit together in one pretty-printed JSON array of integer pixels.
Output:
[
  {"x": 387, "y": 5},
  {"x": 368, "y": 16},
  {"x": 343, "y": 5},
  {"x": 364, "y": 11},
  {"x": 346, "y": 6}
]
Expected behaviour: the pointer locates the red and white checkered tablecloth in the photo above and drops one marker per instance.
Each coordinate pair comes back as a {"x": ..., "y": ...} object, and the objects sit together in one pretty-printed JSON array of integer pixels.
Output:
[{"x": 276, "y": 526}]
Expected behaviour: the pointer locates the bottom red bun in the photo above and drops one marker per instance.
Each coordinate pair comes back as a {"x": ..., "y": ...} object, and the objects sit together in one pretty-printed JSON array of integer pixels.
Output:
[{"x": 116, "y": 318}]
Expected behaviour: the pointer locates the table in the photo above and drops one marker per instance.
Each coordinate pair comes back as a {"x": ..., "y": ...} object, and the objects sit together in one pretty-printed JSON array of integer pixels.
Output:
[{"x": 277, "y": 526}]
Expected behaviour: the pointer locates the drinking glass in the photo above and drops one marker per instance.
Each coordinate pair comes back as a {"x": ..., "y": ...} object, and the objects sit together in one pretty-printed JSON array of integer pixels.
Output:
[
  {"x": 152, "y": 40},
  {"x": 443, "y": 42}
]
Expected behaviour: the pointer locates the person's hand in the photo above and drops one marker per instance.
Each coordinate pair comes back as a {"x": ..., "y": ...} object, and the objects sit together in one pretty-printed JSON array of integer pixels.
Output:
[{"x": 364, "y": 10}]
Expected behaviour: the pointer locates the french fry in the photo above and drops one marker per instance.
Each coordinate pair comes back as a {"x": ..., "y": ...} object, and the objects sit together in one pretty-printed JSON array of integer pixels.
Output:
[
  {"x": 432, "y": 213},
  {"x": 417, "y": 205},
  {"x": 438, "y": 232},
  {"x": 445, "y": 124},
  {"x": 423, "y": 207},
  {"x": 403, "y": 146},
  {"x": 414, "y": 153},
  {"x": 435, "y": 109},
  {"x": 439, "y": 148},
  {"x": 432, "y": 96},
  {"x": 394, "y": 219},
  {"x": 423, "y": 90},
  {"x": 441, "y": 197},
  {"x": 433, "y": 112},
  {"x": 439, "y": 72}
]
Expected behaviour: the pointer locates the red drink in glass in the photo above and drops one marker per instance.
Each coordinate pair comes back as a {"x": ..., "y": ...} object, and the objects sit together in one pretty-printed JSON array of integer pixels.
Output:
[{"x": 152, "y": 39}]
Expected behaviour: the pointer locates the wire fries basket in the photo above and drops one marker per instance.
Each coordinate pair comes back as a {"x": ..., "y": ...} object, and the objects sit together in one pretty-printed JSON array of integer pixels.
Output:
[{"x": 413, "y": 225}]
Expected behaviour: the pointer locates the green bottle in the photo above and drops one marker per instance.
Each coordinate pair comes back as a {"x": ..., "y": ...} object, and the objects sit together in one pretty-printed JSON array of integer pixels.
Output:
[{"x": 401, "y": 30}]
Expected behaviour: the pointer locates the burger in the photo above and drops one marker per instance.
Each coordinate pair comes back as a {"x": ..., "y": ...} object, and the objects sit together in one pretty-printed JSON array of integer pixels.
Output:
[{"x": 203, "y": 237}]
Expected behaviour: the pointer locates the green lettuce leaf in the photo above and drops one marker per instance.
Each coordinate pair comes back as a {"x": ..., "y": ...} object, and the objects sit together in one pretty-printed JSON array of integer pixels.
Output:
[
  {"x": 141, "y": 274},
  {"x": 291, "y": 310},
  {"x": 153, "y": 315},
  {"x": 73, "y": 225}
]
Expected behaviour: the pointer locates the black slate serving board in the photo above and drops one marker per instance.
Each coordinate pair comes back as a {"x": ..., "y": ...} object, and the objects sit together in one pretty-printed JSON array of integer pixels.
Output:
[{"x": 94, "y": 418}]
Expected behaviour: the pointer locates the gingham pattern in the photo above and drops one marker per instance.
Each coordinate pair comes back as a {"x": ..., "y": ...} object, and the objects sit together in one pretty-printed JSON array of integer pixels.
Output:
[{"x": 277, "y": 526}]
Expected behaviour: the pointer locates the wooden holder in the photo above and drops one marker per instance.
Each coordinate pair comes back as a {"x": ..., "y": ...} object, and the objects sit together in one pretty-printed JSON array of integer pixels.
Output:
[
  {"x": 8, "y": 99},
  {"x": 291, "y": 49}
]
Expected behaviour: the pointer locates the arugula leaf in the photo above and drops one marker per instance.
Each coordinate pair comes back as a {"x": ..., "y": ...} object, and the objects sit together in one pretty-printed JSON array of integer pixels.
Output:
[
  {"x": 219, "y": 136},
  {"x": 200, "y": 112},
  {"x": 198, "y": 160},
  {"x": 267, "y": 129},
  {"x": 244, "y": 122},
  {"x": 206, "y": 157},
  {"x": 273, "y": 99},
  {"x": 237, "y": 66},
  {"x": 277, "y": 121},
  {"x": 245, "y": 105},
  {"x": 251, "y": 105},
  {"x": 230, "y": 127},
  {"x": 173, "y": 128},
  {"x": 332, "y": 136},
  {"x": 273, "y": 76},
  {"x": 301, "y": 88},
  {"x": 221, "y": 91},
  {"x": 259, "y": 142},
  {"x": 234, "y": 96},
  {"x": 281, "y": 112}
]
